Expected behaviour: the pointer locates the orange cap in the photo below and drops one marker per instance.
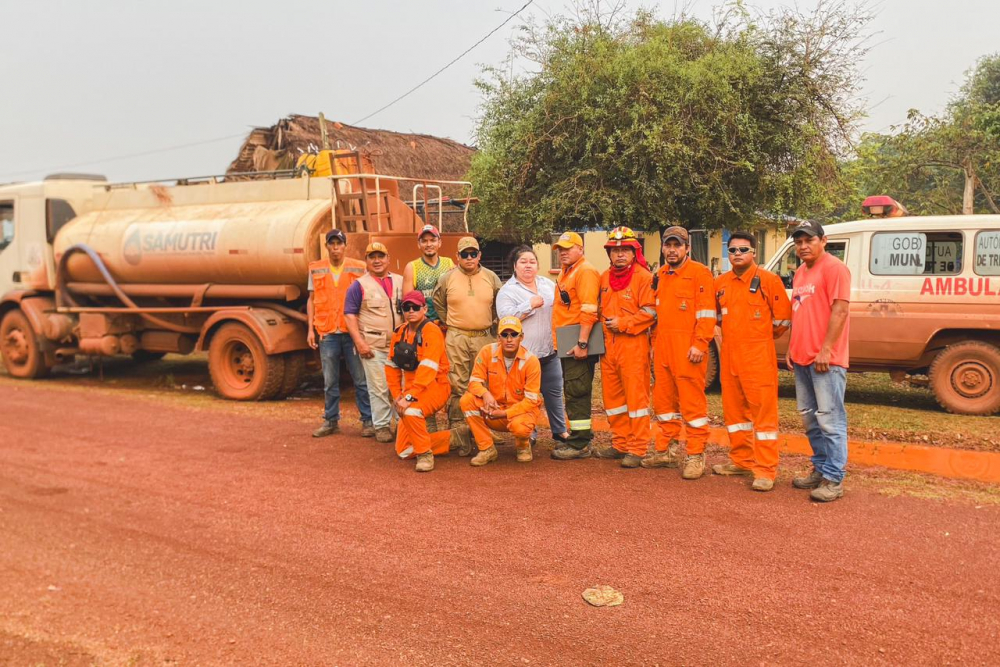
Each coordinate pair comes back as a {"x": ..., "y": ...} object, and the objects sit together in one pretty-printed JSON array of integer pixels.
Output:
[{"x": 376, "y": 246}]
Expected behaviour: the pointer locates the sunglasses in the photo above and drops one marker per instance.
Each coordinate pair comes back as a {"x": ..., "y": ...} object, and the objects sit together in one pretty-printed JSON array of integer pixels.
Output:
[
  {"x": 411, "y": 307},
  {"x": 509, "y": 334},
  {"x": 564, "y": 297},
  {"x": 740, "y": 249},
  {"x": 469, "y": 254}
]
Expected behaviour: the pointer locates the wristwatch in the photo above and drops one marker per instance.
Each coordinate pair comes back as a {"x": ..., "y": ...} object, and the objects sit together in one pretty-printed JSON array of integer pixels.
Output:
[
  {"x": 582, "y": 344},
  {"x": 411, "y": 398}
]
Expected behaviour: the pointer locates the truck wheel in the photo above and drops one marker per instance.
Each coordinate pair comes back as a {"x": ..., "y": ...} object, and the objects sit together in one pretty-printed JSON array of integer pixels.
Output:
[
  {"x": 965, "y": 378},
  {"x": 22, "y": 353},
  {"x": 241, "y": 370},
  {"x": 295, "y": 371},
  {"x": 145, "y": 356},
  {"x": 712, "y": 367}
]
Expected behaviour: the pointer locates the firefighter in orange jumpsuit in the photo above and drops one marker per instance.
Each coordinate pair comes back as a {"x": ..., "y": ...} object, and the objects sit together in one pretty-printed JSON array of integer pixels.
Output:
[
  {"x": 685, "y": 314},
  {"x": 628, "y": 312},
  {"x": 504, "y": 393},
  {"x": 417, "y": 373},
  {"x": 753, "y": 310}
]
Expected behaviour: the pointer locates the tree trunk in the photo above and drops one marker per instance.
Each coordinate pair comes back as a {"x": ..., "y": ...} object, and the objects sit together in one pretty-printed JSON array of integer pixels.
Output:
[{"x": 968, "y": 198}]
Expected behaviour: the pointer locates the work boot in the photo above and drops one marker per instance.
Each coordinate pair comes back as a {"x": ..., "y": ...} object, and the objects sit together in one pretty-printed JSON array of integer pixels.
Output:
[
  {"x": 568, "y": 453},
  {"x": 497, "y": 438},
  {"x": 608, "y": 453},
  {"x": 811, "y": 481},
  {"x": 425, "y": 462},
  {"x": 461, "y": 440},
  {"x": 827, "y": 491},
  {"x": 762, "y": 484},
  {"x": 367, "y": 430},
  {"x": 328, "y": 428},
  {"x": 694, "y": 466},
  {"x": 730, "y": 469},
  {"x": 667, "y": 459},
  {"x": 383, "y": 434},
  {"x": 631, "y": 461},
  {"x": 523, "y": 446},
  {"x": 485, "y": 456}
]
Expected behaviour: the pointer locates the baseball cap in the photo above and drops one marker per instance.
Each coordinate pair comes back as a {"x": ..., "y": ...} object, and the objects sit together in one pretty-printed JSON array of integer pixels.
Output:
[
  {"x": 467, "y": 242},
  {"x": 809, "y": 228},
  {"x": 509, "y": 323},
  {"x": 375, "y": 246},
  {"x": 336, "y": 234},
  {"x": 415, "y": 296},
  {"x": 569, "y": 239},
  {"x": 429, "y": 229},
  {"x": 676, "y": 232}
]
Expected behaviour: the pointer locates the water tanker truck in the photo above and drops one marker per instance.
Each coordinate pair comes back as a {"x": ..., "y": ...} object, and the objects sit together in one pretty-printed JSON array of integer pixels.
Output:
[{"x": 216, "y": 264}]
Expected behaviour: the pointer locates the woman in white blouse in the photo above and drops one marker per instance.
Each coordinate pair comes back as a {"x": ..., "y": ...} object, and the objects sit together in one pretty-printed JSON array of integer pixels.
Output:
[{"x": 529, "y": 297}]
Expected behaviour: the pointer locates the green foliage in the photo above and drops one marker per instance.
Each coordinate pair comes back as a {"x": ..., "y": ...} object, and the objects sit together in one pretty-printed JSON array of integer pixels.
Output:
[{"x": 647, "y": 122}]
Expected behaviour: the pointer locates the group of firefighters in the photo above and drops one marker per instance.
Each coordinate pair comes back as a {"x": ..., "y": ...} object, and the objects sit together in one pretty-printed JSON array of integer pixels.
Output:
[{"x": 431, "y": 341}]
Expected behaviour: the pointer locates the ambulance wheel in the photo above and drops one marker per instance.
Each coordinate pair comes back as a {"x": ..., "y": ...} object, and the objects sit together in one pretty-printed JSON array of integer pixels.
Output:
[
  {"x": 241, "y": 370},
  {"x": 295, "y": 372},
  {"x": 712, "y": 368},
  {"x": 21, "y": 350},
  {"x": 965, "y": 378}
]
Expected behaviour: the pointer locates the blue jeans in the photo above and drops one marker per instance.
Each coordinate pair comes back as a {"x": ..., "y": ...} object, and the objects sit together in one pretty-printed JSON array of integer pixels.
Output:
[
  {"x": 552, "y": 393},
  {"x": 820, "y": 398},
  {"x": 332, "y": 348}
]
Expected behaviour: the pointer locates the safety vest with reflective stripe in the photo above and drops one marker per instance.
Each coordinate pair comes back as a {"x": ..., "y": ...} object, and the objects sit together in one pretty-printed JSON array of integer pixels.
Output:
[
  {"x": 328, "y": 295},
  {"x": 517, "y": 391},
  {"x": 432, "y": 361}
]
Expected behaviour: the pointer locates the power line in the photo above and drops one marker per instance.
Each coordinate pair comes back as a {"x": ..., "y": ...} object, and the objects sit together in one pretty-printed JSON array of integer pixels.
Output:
[{"x": 460, "y": 56}]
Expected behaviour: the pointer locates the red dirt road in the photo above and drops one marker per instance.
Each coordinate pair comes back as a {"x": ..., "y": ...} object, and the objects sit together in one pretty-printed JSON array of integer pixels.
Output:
[{"x": 135, "y": 531}]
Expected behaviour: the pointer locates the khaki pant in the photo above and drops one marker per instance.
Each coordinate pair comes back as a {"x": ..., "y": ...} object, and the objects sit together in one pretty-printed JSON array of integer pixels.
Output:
[{"x": 462, "y": 350}]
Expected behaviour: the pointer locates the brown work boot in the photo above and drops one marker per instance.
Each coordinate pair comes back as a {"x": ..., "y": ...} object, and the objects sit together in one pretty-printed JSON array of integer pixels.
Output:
[
  {"x": 523, "y": 446},
  {"x": 569, "y": 452},
  {"x": 668, "y": 459},
  {"x": 631, "y": 461},
  {"x": 730, "y": 469},
  {"x": 694, "y": 466},
  {"x": 827, "y": 491},
  {"x": 762, "y": 484},
  {"x": 608, "y": 452},
  {"x": 383, "y": 434},
  {"x": 461, "y": 440},
  {"x": 328, "y": 428},
  {"x": 485, "y": 456},
  {"x": 367, "y": 430},
  {"x": 425, "y": 462},
  {"x": 810, "y": 481}
]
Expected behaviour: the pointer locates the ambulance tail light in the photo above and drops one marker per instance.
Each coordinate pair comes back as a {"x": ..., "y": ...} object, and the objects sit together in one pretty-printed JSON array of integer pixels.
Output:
[{"x": 881, "y": 206}]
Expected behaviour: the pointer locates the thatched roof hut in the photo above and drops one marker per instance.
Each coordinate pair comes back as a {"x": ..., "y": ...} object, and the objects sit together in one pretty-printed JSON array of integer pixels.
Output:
[{"x": 393, "y": 153}]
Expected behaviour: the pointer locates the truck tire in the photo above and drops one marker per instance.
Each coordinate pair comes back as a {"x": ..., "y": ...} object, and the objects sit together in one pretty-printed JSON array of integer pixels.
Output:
[
  {"x": 712, "y": 367},
  {"x": 20, "y": 347},
  {"x": 145, "y": 356},
  {"x": 295, "y": 371},
  {"x": 240, "y": 368},
  {"x": 965, "y": 378}
]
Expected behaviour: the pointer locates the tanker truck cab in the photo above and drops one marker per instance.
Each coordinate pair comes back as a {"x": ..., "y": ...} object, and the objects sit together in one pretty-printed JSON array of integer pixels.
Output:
[{"x": 925, "y": 300}]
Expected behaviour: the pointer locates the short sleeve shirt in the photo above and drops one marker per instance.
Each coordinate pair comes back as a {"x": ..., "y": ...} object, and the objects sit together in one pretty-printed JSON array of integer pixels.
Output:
[{"x": 813, "y": 292}]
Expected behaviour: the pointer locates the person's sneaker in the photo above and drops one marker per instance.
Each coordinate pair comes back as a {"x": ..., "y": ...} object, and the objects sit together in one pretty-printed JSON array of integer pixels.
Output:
[
  {"x": 461, "y": 440},
  {"x": 367, "y": 430},
  {"x": 383, "y": 434},
  {"x": 568, "y": 453},
  {"x": 762, "y": 484},
  {"x": 485, "y": 456},
  {"x": 811, "y": 481},
  {"x": 425, "y": 462},
  {"x": 608, "y": 453},
  {"x": 827, "y": 491},
  {"x": 668, "y": 459},
  {"x": 694, "y": 466},
  {"x": 631, "y": 461},
  {"x": 328, "y": 428},
  {"x": 730, "y": 469}
]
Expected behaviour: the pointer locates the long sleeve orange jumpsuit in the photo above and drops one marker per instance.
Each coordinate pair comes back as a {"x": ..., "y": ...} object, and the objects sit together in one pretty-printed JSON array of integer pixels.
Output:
[
  {"x": 752, "y": 313},
  {"x": 625, "y": 364},
  {"x": 517, "y": 392},
  {"x": 428, "y": 384},
  {"x": 685, "y": 314}
]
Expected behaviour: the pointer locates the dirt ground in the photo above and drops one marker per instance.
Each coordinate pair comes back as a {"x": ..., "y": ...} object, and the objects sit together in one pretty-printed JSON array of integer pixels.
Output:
[{"x": 148, "y": 526}]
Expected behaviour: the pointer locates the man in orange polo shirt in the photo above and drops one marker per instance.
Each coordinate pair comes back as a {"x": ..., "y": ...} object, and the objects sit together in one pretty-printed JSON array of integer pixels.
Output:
[{"x": 328, "y": 283}]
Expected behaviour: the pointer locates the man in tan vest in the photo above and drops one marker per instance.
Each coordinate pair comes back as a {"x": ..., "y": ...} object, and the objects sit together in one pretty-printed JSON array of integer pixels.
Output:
[
  {"x": 465, "y": 301},
  {"x": 371, "y": 312}
]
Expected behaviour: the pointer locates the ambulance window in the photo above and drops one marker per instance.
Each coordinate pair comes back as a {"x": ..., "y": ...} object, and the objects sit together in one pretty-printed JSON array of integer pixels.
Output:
[
  {"x": 916, "y": 254},
  {"x": 6, "y": 224},
  {"x": 987, "y": 261},
  {"x": 790, "y": 261}
]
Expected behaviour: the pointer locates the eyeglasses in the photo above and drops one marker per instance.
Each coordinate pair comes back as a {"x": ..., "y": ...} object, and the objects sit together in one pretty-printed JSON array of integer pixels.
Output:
[
  {"x": 411, "y": 307},
  {"x": 740, "y": 249},
  {"x": 564, "y": 297},
  {"x": 509, "y": 334},
  {"x": 469, "y": 254}
]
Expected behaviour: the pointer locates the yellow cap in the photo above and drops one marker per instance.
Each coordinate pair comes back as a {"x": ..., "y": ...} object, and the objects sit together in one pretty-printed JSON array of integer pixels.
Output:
[
  {"x": 375, "y": 246},
  {"x": 509, "y": 323},
  {"x": 569, "y": 239},
  {"x": 467, "y": 242}
]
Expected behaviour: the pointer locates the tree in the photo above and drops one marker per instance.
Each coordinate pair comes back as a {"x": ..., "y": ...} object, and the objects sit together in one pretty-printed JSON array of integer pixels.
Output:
[{"x": 647, "y": 122}]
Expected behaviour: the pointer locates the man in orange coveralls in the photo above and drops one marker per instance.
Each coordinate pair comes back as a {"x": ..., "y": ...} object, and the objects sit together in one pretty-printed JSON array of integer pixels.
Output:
[
  {"x": 685, "y": 314},
  {"x": 417, "y": 373},
  {"x": 503, "y": 393},
  {"x": 628, "y": 310},
  {"x": 754, "y": 310}
]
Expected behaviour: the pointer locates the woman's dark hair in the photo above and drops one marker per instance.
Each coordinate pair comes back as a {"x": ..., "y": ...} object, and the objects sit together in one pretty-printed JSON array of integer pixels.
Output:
[
  {"x": 745, "y": 236},
  {"x": 516, "y": 253}
]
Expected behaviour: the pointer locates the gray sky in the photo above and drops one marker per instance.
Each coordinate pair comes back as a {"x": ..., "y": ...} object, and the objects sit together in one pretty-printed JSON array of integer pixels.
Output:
[{"x": 85, "y": 81}]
